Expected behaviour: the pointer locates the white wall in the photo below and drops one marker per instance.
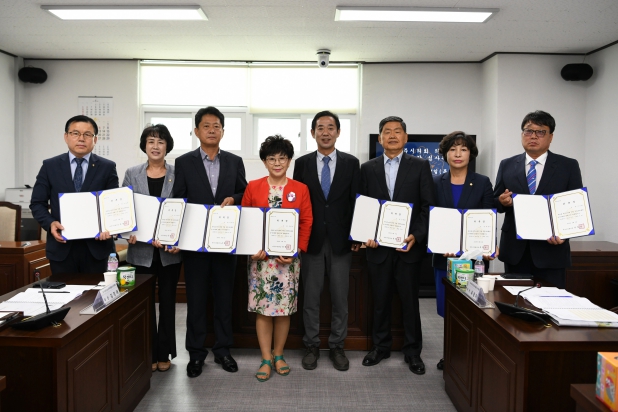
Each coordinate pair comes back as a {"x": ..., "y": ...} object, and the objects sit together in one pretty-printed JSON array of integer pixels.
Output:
[
  {"x": 602, "y": 142},
  {"x": 526, "y": 83},
  {"x": 8, "y": 85},
  {"x": 49, "y": 105},
  {"x": 430, "y": 98}
]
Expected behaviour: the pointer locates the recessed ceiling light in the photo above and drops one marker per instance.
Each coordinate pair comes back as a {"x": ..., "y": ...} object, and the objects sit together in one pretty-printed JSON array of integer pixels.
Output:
[
  {"x": 160, "y": 12},
  {"x": 418, "y": 14}
]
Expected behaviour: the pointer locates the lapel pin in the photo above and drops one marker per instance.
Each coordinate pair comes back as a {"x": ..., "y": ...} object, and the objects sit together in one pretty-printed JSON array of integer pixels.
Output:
[
  {"x": 471, "y": 184},
  {"x": 291, "y": 197}
]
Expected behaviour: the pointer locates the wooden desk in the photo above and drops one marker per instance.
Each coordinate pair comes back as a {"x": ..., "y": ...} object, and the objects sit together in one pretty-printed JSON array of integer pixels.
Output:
[
  {"x": 586, "y": 399},
  {"x": 595, "y": 264},
  {"x": 17, "y": 264},
  {"x": 90, "y": 363},
  {"x": 494, "y": 362}
]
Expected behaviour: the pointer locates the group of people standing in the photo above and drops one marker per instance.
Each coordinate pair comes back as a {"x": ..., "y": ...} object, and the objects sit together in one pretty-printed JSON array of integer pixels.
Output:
[{"x": 324, "y": 188}]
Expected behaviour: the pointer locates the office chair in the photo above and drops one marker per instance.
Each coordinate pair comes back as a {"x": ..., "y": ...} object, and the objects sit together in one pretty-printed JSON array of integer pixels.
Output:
[{"x": 10, "y": 221}]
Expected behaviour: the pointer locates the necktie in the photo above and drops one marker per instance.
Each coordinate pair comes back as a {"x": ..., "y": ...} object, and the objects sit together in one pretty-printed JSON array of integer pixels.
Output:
[
  {"x": 326, "y": 176},
  {"x": 79, "y": 174},
  {"x": 531, "y": 177}
]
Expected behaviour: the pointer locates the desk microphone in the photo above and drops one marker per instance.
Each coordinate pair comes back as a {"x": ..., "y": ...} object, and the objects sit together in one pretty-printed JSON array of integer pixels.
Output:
[
  {"x": 50, "y": 317},
  {"x": 538, "y": 285},
  {"x": 527, "y": 315}
]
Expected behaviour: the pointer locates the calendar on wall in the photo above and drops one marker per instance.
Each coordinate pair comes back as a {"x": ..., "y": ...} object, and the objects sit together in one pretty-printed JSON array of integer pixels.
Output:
[{"x": 101, "y": 109}]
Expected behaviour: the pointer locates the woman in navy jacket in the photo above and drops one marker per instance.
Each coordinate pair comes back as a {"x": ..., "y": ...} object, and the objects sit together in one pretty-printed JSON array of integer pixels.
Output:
[{"x": 459, "y": 189}]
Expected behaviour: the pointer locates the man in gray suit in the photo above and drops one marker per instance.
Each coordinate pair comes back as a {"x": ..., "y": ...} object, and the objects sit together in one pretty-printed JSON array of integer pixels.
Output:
[{"x": 333, "y": 178}]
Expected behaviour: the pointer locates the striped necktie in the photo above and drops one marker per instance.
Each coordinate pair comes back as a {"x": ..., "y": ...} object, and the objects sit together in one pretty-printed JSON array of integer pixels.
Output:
[{"x": 531, "y": 177}]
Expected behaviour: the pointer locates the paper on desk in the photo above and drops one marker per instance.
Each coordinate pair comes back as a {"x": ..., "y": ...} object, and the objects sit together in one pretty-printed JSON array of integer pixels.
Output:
[
  {"x": 34, "y": 296},
  {"x": 29, "y": 309},
  {"x": 591, "y": 315},
  {"x": 543, "y": 291},
  {"x": 560, "y": 302}
]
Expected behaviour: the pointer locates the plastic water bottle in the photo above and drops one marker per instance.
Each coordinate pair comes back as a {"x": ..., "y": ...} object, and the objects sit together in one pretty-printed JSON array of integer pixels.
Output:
[
  {"x": 479, "y": 267},
  {"x": 112, "y": 263}
]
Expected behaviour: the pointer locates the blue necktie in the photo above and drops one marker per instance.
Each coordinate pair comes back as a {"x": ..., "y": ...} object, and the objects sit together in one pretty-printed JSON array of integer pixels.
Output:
[
  {"x": 326, "y": 176},
  {"x": 531, "y": 177},
  {"x": 79, "y": 174}
]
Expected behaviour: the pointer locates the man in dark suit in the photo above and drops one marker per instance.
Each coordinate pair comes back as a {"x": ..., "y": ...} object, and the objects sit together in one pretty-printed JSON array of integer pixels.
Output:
[
  {"x": 333, "y": 178},
  {"x": 541, "y": 172},
  {"x": 209, "y": 176},
  {"x": 79, "y": 170},
  {"x": 401, "y": 178}
]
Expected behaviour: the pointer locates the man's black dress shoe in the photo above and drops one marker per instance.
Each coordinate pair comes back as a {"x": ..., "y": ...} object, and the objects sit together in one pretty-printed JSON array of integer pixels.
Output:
[
  {"x": 227, "y": 363},
  {"x": 441, "y": 364},
  {"x": 310, "y": 359},
  {"x": 194, "y": 368},
  {"x": 375, "y": 356},
  {"x": 416, "y": 364}
]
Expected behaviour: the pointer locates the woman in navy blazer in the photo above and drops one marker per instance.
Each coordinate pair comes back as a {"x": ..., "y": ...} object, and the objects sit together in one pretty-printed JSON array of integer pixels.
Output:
[
  {"x": 458, "y": 189},
  {"x": 156, "y": 178}
]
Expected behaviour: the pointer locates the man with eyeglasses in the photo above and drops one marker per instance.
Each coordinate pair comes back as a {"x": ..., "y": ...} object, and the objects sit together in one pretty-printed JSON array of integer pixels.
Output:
[
  {"x": 209, "y": 176},
  {"x": 79, "y": 170},
  {"x": 333, "y": 178},
  {"x": 538, "y": 171}
]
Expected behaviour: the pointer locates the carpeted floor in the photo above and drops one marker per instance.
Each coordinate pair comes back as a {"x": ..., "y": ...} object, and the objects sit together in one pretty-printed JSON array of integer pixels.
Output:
[{"x": 389, "y": 386}]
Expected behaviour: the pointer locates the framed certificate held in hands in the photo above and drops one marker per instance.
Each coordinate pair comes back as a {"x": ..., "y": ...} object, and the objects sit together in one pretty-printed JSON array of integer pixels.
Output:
[
  {"x": 169, "y": 222},
  {"x": 148, "y": 212},
  {"x": 222, "y": 229},
  {"x": 394, "y": 224},
  {"x": 385, "y": 221},
  {"x": 459, "y": 231},
  {"x": 281, "y": 232},
  {"x": 84, "y": 215},
  {"x": 566, "y": 215}
]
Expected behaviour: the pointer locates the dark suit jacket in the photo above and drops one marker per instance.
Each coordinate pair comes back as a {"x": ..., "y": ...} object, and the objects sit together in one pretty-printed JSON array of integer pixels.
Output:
[
  {"x": 192, "y": 183},
  {"x": 560, "y": 174},
  {"x": 332, "y": 217},
  {"x": 414, "y": 184},
  {"x": 54, "y": 178},
  {"x": 477, "y": 193}
]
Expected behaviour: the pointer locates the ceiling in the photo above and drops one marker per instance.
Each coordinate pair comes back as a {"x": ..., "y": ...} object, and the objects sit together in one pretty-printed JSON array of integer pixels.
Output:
[{"x": 292, "y": 30}]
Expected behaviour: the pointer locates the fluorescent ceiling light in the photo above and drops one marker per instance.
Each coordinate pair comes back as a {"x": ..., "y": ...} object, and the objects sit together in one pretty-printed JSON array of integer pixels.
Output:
[
  {"x": 161, "y": 12},
  {"x": 420, "y": 14}
]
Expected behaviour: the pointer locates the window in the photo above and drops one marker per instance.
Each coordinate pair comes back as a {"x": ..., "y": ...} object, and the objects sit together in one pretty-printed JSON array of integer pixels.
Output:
[{"x": 257, "y": 100}]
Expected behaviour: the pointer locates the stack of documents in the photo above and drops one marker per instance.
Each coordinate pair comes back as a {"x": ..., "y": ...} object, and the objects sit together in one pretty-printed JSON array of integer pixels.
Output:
[
  {"x": 31, "y": 301},
  {"x": 567, "y": 309}
]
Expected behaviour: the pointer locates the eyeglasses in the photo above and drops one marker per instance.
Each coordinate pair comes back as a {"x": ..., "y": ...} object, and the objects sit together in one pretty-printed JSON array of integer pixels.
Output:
[
  {"x": 281, "y": 160},
  {"x": 75, "y": 135},
  {"x": 538, "y": 133}
]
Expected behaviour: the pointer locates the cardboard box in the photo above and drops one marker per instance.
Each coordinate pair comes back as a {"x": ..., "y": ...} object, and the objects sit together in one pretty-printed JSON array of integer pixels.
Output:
[
  {"x": 451, "y": 267},
  {"x": 607, "y": 374}
]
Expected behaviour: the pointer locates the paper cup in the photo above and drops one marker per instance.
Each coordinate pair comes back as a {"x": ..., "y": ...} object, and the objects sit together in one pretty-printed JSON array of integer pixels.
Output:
[
  {"x": 483, "y": 283},
  {"x": 492, "y": 282},
  {"x": 110, "y": 278}
]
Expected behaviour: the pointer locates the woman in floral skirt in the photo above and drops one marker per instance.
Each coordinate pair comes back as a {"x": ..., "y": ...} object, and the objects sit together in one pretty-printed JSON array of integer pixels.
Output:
[{"x": 273, "y": 281}]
